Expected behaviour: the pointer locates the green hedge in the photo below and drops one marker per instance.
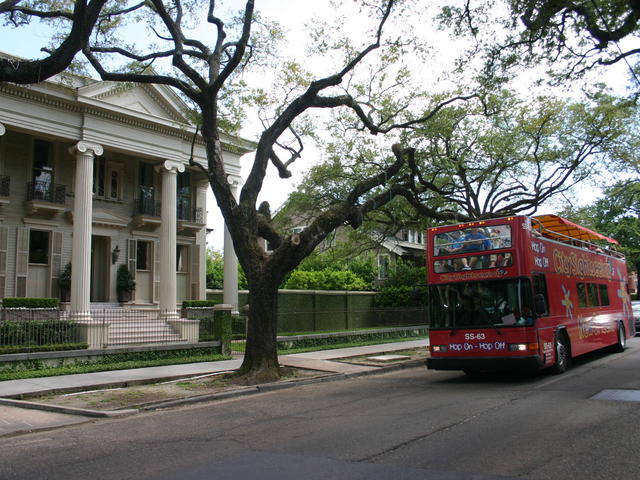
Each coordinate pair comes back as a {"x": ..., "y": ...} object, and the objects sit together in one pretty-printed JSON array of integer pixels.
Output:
[
  {"x": 22, "y": 302},
  {"x": 6, "y": 349},
  {"x": 325, "y": 280},
  {"x": 401, "y": 296}
]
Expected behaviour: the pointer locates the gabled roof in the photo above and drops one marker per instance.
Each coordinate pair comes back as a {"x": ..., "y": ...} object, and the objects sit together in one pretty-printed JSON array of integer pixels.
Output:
[{"x": 156, "y": 100}]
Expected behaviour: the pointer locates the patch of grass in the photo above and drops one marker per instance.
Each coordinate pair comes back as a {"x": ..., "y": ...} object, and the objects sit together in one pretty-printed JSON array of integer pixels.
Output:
[
  {"x": 286, "y": 351},
  {"x": 107, "y": 364},
  {"x": 317, "y": 332}
]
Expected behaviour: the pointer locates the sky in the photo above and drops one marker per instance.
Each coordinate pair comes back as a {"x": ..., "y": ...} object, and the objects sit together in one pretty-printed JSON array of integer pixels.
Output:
[{"x": 293, "y": 15}]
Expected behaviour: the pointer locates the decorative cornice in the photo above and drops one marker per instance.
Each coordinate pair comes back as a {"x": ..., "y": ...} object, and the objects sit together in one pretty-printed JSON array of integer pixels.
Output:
[{"x": 183, "y": 132}]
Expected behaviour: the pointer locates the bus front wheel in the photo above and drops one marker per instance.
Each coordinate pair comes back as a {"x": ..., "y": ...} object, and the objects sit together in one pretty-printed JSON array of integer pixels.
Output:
[{"x": 563, "y": 357}]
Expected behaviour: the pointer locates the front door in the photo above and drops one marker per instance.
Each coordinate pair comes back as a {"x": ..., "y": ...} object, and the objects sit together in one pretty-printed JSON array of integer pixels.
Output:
[{"x": 100, "y": 268}]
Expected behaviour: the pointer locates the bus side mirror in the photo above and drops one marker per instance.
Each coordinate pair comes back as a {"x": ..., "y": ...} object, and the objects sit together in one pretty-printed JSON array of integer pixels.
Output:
[{"x": 540, "y": 304}]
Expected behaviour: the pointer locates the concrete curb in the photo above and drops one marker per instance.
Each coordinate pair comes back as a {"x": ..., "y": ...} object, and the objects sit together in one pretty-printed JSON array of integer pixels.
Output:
[
  {"x": 68, "y": 410},
  {"x": 229, "y": 394}
]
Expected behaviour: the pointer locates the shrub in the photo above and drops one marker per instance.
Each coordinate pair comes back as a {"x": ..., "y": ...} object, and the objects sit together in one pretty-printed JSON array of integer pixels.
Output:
[
  {"x": 64, "y": 280},
  {"x": 24, "y": 302},
  {"x": 401, "y": 296},
  {"x": 124, "y": 279},
  {"x": 325, "y": 280}
]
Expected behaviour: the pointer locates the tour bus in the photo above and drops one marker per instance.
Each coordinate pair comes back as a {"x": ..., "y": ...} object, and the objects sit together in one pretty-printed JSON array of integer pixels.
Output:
[{"x": 523, "y": 293}]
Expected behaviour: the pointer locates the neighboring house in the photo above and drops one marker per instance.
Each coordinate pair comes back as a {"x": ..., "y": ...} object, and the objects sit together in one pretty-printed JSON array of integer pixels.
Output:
[
  {"x": 406, "y": 244},
  {"x": 97, "y": 174}
]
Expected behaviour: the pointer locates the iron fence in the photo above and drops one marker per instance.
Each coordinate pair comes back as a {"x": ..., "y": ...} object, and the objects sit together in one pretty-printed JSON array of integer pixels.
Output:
[{"x": 36, "y": 329}]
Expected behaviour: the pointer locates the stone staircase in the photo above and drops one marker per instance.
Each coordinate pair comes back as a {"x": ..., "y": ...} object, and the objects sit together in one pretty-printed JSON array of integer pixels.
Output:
[{"x": 134, "y": 327}]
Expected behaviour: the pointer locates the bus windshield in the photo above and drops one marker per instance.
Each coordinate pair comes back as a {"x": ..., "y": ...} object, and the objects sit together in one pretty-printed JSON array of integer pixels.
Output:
[{"x": 482, "y": 304}]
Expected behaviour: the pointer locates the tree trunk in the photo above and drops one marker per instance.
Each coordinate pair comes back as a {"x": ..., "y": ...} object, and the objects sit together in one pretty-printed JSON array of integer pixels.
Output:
[{"x": 261, "y": 356}]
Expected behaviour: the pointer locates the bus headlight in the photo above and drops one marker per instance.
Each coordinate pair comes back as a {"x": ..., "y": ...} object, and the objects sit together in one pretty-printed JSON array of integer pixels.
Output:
[
  {"x": 523, "y": 347},
  {"x": 439, "y": 348}
]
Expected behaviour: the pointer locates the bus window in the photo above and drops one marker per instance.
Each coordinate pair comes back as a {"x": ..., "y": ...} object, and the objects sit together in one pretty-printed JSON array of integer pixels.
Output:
[
  {"x": 592, "y": 288},
  {"x": 540, "y": 288},
  {"x": 582, "y": 295},
  {"x": 472, "y": 240},
  {"x": 478, "y": 304},
  {"x": 604, "y": 294}
]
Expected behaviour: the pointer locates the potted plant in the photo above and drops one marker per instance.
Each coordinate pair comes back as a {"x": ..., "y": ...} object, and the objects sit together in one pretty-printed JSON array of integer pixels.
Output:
[
  {"x": 64, "y": 283},
  {"x": 125, "y": 284}
]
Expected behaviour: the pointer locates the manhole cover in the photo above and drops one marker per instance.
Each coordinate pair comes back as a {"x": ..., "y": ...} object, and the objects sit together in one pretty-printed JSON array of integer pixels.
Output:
[
  {"x": 620, "y": 395},
  {"x": 388, "y": 358}
]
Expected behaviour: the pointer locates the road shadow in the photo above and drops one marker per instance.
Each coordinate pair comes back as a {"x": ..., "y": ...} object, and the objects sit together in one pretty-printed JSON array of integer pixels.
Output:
[{"x": 514, "y": 377}]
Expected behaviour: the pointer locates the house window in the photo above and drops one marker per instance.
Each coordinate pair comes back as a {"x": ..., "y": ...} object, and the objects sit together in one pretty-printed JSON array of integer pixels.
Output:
[
  {"x": 42, "y": 175},
  {"x": 182, "y": 258},
  {"x": 107, "y": 179},
  {"x": 143, "y": 255},
  {"x": 39, "y": 247},
  {"x": 383, "y": 266},
  {"x": 184, "y": 196}
]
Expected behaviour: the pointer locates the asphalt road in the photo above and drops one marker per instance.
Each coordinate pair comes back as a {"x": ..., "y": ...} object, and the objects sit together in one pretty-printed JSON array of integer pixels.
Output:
[{"x": 411, "y": 424}]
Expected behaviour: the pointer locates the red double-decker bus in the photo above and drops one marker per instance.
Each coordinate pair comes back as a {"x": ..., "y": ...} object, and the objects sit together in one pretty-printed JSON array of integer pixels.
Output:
[{"x": 523, "y": 293}]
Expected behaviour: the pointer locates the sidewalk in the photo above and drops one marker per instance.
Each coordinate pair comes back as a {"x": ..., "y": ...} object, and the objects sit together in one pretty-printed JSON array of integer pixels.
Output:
[{"x": 320, "y": 360}]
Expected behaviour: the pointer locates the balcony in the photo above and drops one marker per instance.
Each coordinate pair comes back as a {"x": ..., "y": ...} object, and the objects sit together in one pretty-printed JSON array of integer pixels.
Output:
[
  {"x": 4, "y": 189},
  {"x": 146, "y": 213},
  {"x": 45, "y": 198},
  {"x": 190, "y": 220}
]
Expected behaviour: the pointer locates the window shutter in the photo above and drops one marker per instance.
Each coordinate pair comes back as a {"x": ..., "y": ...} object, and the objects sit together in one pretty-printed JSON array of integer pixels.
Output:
[
  {"x": 194, "y": 271},
  {"x": 132, "y": 252},
  {"x": 156, "y": 271},
  {"x": 4, "y": 243},
  {"x": 56, "y": 262},
  {"x": 22, "y": 261}
]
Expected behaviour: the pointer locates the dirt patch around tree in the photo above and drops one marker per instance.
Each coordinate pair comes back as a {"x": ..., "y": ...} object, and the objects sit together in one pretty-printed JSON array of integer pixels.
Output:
[{"x": 139, "y": 396}]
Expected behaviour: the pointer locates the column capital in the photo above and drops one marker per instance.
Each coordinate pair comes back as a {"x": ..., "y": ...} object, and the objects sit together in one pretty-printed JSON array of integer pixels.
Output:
[
  {"x": 2, "y": 130},
  {"x": 84, "y": 147},
  {"x": 234, "y": 180},
  {"x": 171, "y": 166}
]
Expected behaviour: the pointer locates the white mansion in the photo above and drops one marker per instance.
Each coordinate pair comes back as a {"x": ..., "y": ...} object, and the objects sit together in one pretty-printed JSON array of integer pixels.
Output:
[{"x": 98, "y": 174}]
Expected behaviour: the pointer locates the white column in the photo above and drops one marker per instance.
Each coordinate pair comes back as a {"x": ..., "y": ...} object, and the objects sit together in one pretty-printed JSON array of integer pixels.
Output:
[
  {"x": 230, "y": 266},
  {"x": 169, "y": 171},
  {"x": 201, "y": 238},
  {"x": 82, "y": 213},
  {"x": 2, "y": 130}
]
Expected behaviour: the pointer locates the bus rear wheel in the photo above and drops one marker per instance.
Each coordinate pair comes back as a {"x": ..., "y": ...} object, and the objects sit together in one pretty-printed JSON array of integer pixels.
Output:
[
  {"x": 622, "y": 339},
  {"x": 563, "y": 356}
]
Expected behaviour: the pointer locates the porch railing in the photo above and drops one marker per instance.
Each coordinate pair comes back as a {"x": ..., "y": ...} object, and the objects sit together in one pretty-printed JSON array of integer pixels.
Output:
[
  {"x": 46, "y": 192},
  {"x": 5, "y": 183},
  {"x": 195, "y": 215},
  {"x": 147, "y": 206}
]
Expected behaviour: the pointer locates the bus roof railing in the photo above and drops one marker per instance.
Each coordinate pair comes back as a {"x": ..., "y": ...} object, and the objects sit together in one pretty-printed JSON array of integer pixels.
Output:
[{"x": 539, "y": 227}]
